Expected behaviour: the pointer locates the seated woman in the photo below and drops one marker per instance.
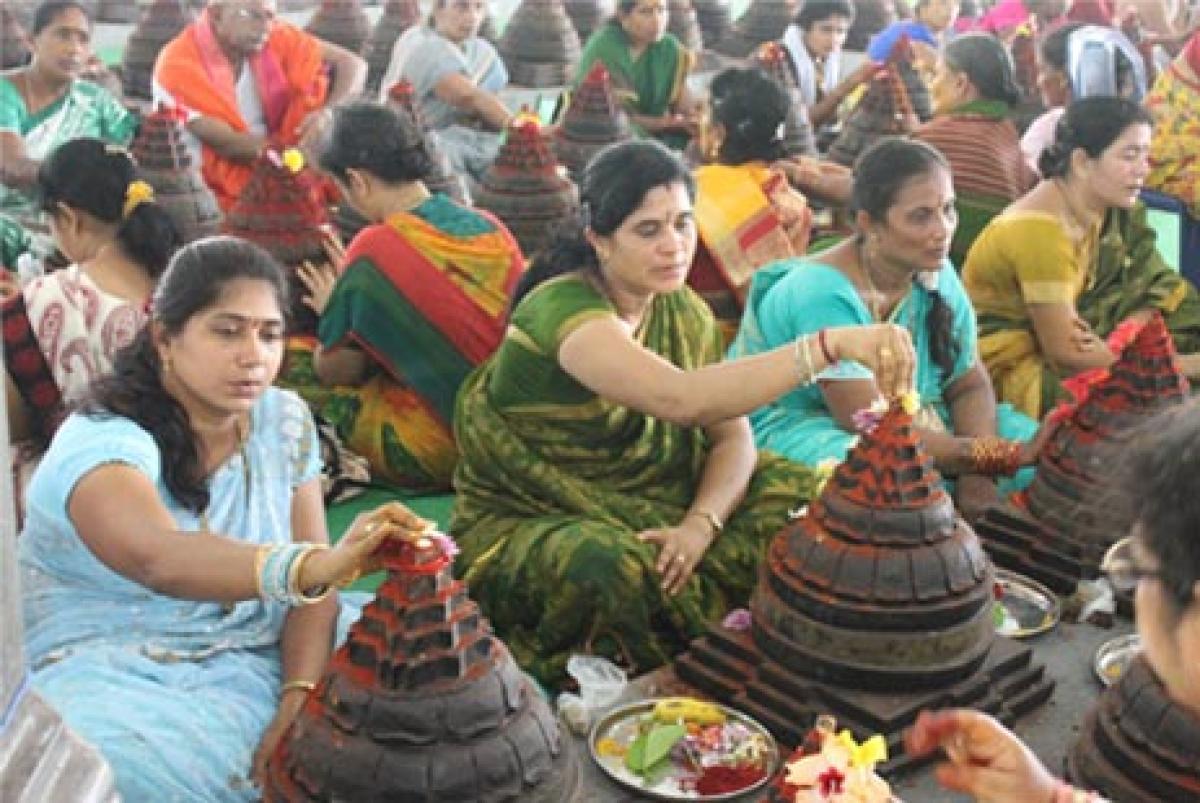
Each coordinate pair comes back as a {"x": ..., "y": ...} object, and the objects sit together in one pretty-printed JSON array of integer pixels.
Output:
[
  {"x": 1160, "y": 564},
  {"x": 609, "y": 495},
  {"x": 1064, "y": 265},
  {"x": 1174, "y": 103},
  {"x": 457, "y": 77},
  {"x": 974, "y": 92},
  {"x": 895, "y": 270},
  {"x": 1076, "y": 61},
  {"x": 62, "y": 329},
  {"x": 175, "y": 563},
  {"x": 746, "y": 213},
  {"x": 46, "y": 104},
  {"x": 649, "y": 67},
  {"x": 419, "y": 302},
  {"x": 814, "y": 42}
]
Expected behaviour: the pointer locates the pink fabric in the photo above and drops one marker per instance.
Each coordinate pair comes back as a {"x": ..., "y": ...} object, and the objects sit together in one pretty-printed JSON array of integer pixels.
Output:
[{"x": 268, "y": 74}]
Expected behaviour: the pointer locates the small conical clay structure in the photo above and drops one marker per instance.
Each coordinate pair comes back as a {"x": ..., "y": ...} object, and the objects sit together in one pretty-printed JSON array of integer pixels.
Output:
[
  {"x": 526, "y": 187},
  {"x": 714, "y": 18},
  {"x": 285, "y": 213},
  {"x": 165, "y": 162},
  {"x": 161, "y": 22},
  {"x": 875, "y": 602},
  {"x": 593, "y": 120},
  {"x": 540, "y": 46},
  {"x": 1058, "y": 529},
  {"x": 764, "y": 21},
  {"x": 14, "y": 47},
  {"x": 442, "y": 177},
  {"x": 398, "y": 16},
  {"x": 118, "y": 11},
  {"x": 588, "y": 15},
  {"x": 342, "y": 22},
  {"x": 1137, "y": 743},
  {"x": 772, "y": 58},
  {"x": 683, "y": 23},
  {"x": 883, "y": 111},
  {"x": 423, "y": 703},
  {"x": 870, "y": 17}
]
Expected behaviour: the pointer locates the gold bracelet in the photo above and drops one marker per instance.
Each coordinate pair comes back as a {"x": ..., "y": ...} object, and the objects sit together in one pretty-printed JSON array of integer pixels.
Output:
[
  {"x": 295, "y": 685},
  {"x": 260, "y": 558},
  {"x": 306, "y": 596},
  {"x": 713, "y": 520}
]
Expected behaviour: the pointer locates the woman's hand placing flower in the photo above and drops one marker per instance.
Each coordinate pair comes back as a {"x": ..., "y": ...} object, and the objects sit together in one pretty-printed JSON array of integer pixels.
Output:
[{"x": 884, "y": 348}]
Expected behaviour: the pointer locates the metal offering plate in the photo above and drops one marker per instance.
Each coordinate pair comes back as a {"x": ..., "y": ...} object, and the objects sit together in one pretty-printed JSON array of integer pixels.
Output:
[
  {"x": 619, "y": 728},
  {"x": 1023, "y": 606},
  {"x": 1114, "y": 657}
]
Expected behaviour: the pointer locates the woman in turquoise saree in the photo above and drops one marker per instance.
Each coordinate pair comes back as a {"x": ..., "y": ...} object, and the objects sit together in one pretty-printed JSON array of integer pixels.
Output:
[
  {"x": 46, "y": 104},
  {"x": 895, "y": 270},
  {"x": 610, "y": 499},
  {"x": 649, "y": 69}
]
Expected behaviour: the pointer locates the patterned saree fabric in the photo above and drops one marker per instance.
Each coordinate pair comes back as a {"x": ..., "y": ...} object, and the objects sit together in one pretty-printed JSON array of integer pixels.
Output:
[
  {"x": 555, "y": 482},
  {"x": 424, "y": 295}
]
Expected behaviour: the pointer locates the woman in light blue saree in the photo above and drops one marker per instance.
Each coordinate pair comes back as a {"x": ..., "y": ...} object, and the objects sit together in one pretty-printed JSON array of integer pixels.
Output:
[
  {"x": 895, "y": 270},
  {"x": 175, "y": 562}
]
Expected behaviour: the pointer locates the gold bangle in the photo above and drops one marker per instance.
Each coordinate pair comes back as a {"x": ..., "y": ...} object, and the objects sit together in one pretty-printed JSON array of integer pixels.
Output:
[
  {"x": 713, "y": 520},
  {"x": 260, "y": 558},
  {"x": 295, "y": 685},
  {"x": 314, "y": 594}
]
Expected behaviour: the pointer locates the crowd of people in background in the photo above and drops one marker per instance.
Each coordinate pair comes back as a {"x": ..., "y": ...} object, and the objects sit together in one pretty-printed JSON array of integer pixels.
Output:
[{"x": 627, "y": 416}]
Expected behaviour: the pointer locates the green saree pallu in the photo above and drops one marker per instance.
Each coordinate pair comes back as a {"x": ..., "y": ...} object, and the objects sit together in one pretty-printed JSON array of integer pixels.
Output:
[{"x": 555, "y": 483}]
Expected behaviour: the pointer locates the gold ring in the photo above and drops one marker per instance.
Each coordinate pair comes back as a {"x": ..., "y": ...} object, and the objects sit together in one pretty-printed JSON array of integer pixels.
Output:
[
  {"x": 371, "y": 527},
  {"x": 680, "y": 559},
  {"x": 885, "y": 353}
]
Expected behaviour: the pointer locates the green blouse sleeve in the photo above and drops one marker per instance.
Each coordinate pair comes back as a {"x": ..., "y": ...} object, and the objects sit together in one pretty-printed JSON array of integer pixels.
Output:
[
  {"x": 557, "y": 308},
  {"x": 12, "y": 108},
  {"x": 117, "y": 124}
]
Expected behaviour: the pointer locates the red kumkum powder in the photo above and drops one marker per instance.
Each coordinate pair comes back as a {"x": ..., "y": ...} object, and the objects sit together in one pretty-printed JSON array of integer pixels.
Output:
[{"x": 720, "y": 779}]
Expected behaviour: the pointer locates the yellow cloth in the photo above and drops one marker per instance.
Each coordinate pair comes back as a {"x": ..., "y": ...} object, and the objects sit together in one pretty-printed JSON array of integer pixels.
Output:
[
  {"x": 1175, "y": 104},
  {"x": 1022, "y": 258}
]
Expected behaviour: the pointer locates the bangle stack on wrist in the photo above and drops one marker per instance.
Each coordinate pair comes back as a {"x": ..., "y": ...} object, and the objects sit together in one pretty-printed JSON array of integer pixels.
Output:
[
  {"x": 995, "y": 457},
  {"x": 297, "y": 685},
  {"x": 278, "y": 569}
]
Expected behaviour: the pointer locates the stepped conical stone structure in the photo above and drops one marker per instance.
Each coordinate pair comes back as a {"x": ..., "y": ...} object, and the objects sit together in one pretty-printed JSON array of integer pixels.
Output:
[
  {"x": 14, "y": 48},
  {"x": 423, "y": 703},
  {"x": 161, "y": 22},
  {"x": 441, "y": 178},
  {"x": 284, "y": 211},
  {"x": 715, "y": 19},
  {"x": 342, "y": 22},
  {"x": 773, "y": 59},
  {"x": 1058, "y": 528},
  {"x": 398, "y": 16},
  {"x": 588, "y": 15},
  {"x": 684, "y": 24},
  {"x": 1138, "y": 744},
  {"x": 884, "y": 110},
  {"x": 764, "y": 21},
  {"x": 526, "y": 187},
  {"x": 165, "y": 162},
  {"x": 877, "y": 602},
  {"x": 540, "y": 46},
  {"x": 593, "y": 120}
]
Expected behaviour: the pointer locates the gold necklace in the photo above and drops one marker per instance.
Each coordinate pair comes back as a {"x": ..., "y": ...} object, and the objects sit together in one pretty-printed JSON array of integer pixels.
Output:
[
  {"x": 243, "y": 438},
  {"x": 865, "y": 268},
  {"x": 1078, "y": 221}
]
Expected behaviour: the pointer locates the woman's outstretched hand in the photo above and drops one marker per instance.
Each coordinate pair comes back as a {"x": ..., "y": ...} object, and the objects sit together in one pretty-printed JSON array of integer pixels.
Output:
[
  {"x": 354, "y": 554},
  {"x": 986, "y": 760},
  {"x": 886, "y": 349}
]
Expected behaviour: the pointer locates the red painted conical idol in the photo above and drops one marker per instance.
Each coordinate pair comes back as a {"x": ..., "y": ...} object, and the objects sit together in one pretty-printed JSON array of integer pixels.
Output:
[
  {"x": 1058, "y": 529},
  {"x": 876, "y": 602},
  {"x": 165, "y": 162},
  {"x": 423, "y": 703},
  {"x": 593, "y": 120}
]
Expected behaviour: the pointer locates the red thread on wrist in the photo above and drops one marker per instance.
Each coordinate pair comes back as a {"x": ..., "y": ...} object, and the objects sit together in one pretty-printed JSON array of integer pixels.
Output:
[{"x": 825, "y": 352}]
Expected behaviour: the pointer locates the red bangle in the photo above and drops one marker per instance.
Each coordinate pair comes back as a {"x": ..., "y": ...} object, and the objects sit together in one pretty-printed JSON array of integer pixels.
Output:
[{"x": 825, "y": 348}]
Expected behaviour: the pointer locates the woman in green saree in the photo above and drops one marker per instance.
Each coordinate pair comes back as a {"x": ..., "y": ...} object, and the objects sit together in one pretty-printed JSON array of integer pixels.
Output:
[
  {"x": 46, "y": 104},
  {"x": 649, "y": 68},
  {"x": 610, "y": 498}
]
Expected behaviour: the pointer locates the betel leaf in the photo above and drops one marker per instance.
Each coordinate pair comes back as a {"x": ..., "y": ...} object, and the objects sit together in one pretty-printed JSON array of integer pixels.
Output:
[
  {"x": 652, "y": 747},
  {"x": 636, "y": 754}
]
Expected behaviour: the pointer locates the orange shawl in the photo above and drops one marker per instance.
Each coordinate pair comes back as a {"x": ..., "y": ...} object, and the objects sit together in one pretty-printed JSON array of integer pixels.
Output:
[{"x": 291, "y": 82}]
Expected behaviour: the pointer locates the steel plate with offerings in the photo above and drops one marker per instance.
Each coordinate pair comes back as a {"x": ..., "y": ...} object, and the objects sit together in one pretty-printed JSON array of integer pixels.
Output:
[{"x": 679, "y": 748}]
